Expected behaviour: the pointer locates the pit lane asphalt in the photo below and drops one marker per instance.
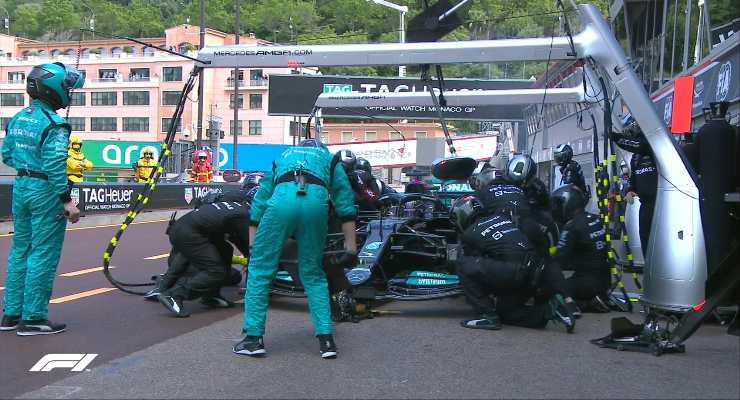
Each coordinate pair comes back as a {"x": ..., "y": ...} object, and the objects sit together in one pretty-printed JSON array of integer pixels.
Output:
[
  {"x": 112, "y": 324},
  {"x": 421, "y": 352}
]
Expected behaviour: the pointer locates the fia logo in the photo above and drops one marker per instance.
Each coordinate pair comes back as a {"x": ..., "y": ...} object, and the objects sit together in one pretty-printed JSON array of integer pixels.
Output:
[
  {"x": 73, "y": 362},
  {"x": 188, "y": 195},
  {"x": 723, "y": 81},
  {"x": 668, "y": 110}
]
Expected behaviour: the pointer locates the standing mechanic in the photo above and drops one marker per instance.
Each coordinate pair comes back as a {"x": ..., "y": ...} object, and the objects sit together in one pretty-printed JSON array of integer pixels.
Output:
[
  {"x": 643, "y": 180},
  {"x": 36, "y": 146},
  {"x": 77, "y": 163},
  {"x": 145, "y": 165},
  {"x": 570, "y": 171},
  {"x": 294, "y": 200},
  {"x": 199, "y": 242},
  {"x": 582, "y": 246}
]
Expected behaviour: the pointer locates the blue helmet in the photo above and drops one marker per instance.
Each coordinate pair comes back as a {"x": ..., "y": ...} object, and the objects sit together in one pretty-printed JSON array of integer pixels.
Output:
[{"x": 52, "y": 83}]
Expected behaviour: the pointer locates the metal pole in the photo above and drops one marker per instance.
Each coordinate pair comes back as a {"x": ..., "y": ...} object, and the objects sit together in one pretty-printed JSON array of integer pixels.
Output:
[
  {"x": 201, "y": 100},
  {"x": 402, "y": 39},
  {"x": 662, "y": 43},
  {"x": 686, "y": 36},
  {"x": 6, "y": 22},
  {"x": 673, "y": 46},
  {"x": 707, "y": 25},
  {"x": 237, "y": 32}
]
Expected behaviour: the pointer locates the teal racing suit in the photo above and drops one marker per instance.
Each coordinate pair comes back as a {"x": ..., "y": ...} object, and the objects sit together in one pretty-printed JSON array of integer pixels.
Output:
[
  {"x": 280, "y": 210},
  {"x": 35, "y": 146}
]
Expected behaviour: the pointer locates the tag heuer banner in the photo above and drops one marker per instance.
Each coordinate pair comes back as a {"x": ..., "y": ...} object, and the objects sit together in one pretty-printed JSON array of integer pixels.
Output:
[
  {"x": 116, "y": 154},
  {"x": 296, "y": 95}
]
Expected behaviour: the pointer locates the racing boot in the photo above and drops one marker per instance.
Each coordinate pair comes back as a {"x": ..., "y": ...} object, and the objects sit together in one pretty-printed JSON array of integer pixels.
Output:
[
  {"x": 573, "y": 309},
  {"x": 561, "y": 314},
  {"x": 39, "y": 327},
  {"x": 490, "y": 322},
  {"x": 252, "y": 346},
  {"x": 327, "y": 347},
  {"x": 174, "y": 304},
  {"x": 157, "y": 290},
  {"x": 10, "y": 322},
  {"x": 216, "y": 301}
]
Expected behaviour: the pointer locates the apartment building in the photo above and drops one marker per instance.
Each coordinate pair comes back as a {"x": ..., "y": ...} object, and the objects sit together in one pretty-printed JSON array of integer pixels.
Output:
[
  {"x": 131, "y": 90},
  {"x": 336, "y": 133}
]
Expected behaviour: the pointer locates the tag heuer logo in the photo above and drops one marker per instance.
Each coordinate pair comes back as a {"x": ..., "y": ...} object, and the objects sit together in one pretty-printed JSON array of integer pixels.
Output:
[
  {"x": 75, "y": 195},
  {"x": 188, "y": 195}
]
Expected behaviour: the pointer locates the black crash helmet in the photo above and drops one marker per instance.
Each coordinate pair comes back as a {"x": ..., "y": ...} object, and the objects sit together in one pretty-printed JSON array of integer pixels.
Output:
[
  {"x": 521, "y": 169},
  {"x": 251, "y": 180},
  {"x": 563, "y": 154},
  {"x": 566, "y": 201},
  {"x": 348, "y": 159},
  {"x": 364, "y": 165},
  {"x": 465, "y": 211}
]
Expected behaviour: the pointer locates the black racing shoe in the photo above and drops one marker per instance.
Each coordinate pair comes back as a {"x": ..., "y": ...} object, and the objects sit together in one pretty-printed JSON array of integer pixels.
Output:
[
  {"x": 489, "y": 322},
  {"x": 39, "y": 327},
  {"x": 327, "y": 346},
  {"x": 561, "y": 314},
  {"x": 216, "y": 302},
  {"x": 174, "y": 304},
  {"x": 573, "y": 309},
  {"x": 10, "y": 322},
  {"x": 152, "y": 294},
  {"x": 252, "y": 346}
]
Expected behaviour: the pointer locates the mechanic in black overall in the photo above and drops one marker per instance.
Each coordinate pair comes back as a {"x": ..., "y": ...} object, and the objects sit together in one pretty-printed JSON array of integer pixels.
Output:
[
  {"x": 570, "y": 171},
  {"x": 582, "y": 247},
  {"x": 498, "y": 261},
  {"x": 538, "y": 225},
  {"x": 204, "y": 237},
  {"x": 643, "y": 180}
]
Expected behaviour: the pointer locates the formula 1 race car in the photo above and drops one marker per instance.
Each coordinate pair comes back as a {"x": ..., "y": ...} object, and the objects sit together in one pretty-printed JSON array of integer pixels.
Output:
[{"x": 407, "y": 251}]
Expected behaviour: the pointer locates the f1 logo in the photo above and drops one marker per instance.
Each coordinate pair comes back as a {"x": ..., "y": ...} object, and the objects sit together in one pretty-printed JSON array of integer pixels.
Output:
[{"x": 74, "y": 362}]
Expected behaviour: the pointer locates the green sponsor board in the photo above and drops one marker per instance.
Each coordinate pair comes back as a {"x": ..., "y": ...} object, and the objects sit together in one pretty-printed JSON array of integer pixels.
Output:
[{"x": 116, "y": 154}]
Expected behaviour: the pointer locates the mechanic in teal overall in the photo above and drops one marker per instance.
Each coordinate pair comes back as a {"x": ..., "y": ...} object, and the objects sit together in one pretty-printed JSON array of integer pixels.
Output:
[
  {"x": 294, "y": 200},
  {"x": 35, "y": 146}
]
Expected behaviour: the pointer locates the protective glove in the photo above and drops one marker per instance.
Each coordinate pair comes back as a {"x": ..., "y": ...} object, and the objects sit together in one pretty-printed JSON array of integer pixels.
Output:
[
  {"x": 345, "y": 259},
  {"x": 240, "y": 260}
]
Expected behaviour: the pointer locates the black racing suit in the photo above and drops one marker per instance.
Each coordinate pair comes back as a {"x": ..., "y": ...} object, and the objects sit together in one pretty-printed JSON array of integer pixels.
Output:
[
  {"x": 644, "y": 182},
  {"x": 643, "y": 179},
  {"x": 200, "y": 238},
  {"x": 572, "y": 174},
  {"x": 499, "y": 261},
  {"x": 583, "y": 248}
]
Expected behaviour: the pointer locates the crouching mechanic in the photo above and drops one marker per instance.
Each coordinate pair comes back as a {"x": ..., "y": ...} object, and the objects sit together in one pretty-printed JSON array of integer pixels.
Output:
[
  {"x": 294, "y": 200},
  {"x": 499, "y": 261},
  {"x": 35, "y": 146},
  {"x": 582, "y": 247},
  {"x": 201, "y": 258}
]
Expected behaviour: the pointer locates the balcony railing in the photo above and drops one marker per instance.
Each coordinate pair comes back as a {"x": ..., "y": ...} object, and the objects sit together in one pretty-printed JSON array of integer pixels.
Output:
[{"x": 245, "y": 83}]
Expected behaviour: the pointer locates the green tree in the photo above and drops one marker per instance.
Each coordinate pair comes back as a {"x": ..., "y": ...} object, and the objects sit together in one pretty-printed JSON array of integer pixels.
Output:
[
  {"x": 26, "y": 21},
  {"x": 59, "y": 16}
]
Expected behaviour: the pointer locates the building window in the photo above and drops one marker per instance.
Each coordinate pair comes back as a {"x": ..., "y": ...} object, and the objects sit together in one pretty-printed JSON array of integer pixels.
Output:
[
  {"x": 16, "y": 77},
  {"x": 346, "y": 136},
  {"x": 256, "y": 78},
  {"x": 230, "y": 79},
  {"x": 239, "y": 128},
  {"x": 107, "y": 74},
  {"x": 394, "y": 135},
  {"x": 255, "y": 101},
  {"x": 240, "y": 104},
  {"x": 135, "y": 124},
  {"x": 107, "y": 124},
  {"x": 172, "y": 74},
  {"x": 166, "y": 124},
  {"x": 4, "y": 123},
  {"x": 139, "y": 98},
  {"x": 371, "y": 136},
  {"x": 77, "y": 99},
  {"x": 255, "y": 128},
  {"x": 139, "y": 75},
  {"x": 103, "y": 98},
  {"x": 170, "y": 98},
  {"x": 11, "y": 99},
  {"x": 421, "y": 135},
  {"x": 77, "y": 123}
]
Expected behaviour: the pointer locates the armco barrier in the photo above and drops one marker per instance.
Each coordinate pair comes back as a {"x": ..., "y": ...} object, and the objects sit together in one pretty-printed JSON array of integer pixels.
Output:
[{"x": 106, "y": 198}]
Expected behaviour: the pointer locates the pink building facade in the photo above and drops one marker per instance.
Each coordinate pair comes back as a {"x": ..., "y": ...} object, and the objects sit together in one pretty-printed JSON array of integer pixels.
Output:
[{"x": 131, "y": 91}]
